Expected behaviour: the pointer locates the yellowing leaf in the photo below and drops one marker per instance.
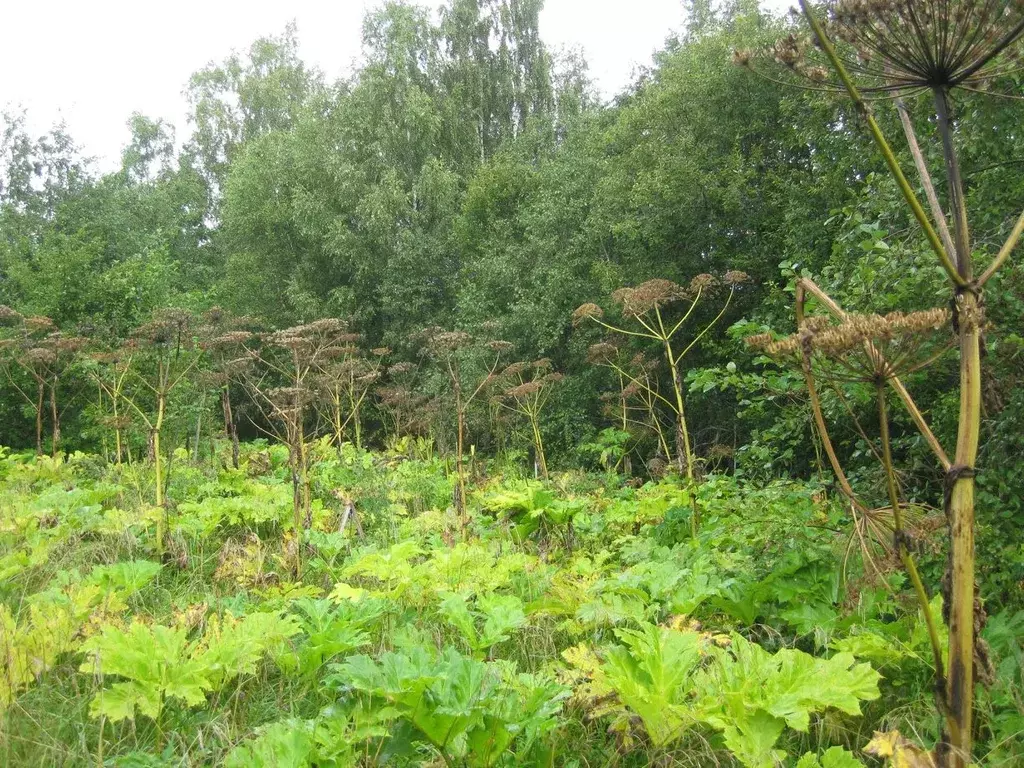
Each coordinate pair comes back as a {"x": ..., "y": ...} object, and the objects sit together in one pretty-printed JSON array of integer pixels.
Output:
[
  {"x": 899, "y": 751},
  {"x": 343, "y": 592}
]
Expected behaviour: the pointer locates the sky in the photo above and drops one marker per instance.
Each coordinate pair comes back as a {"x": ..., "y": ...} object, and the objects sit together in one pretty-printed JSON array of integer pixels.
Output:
[{"x": 92, "y": 64}]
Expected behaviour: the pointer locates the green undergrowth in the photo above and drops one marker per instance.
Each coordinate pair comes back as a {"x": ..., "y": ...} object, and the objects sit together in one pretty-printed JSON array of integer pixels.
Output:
[{"x": 578, "y": 622}]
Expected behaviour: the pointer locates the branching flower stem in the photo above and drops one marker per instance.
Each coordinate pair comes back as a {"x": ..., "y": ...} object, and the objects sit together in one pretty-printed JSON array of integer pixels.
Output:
[{"x": 900, "y": 538}]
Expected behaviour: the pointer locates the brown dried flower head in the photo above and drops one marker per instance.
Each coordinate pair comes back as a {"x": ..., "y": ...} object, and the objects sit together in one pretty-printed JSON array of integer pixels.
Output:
[
  {"x": 648, "y": 296},
  {"x": 38, "y": 324},
  {"x": 902, "y": 44},
  {"x": 500, "y": 346},
  {"x": 588, "y": 311},
  {"x": 399, "y": 368},
  {"x": 735, "y": 277},
  {"x": 601, "y": 353},
  {"x": 525, "y": 389},
  {"x": 380, "y": 351},
  {"x": 9, "y": 316},
  {"x": 894, "y": 46},
  {"x": 900, "y": 342},
  {"x": 450, "y": 341}
]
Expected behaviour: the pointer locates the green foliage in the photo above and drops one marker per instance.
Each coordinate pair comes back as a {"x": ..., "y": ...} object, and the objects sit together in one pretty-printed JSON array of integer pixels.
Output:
[
  {"x": 160, "y": 663},
  {"x": 674, "y": 680},
  {"x": 460, "y": 706}
]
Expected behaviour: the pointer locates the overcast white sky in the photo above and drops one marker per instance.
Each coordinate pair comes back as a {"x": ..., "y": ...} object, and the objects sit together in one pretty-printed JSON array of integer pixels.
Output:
[{"x": 93, "y": 63}]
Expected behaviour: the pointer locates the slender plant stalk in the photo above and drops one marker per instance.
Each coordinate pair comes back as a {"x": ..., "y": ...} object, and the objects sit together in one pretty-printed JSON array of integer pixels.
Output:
[{"x": 900, "y": 536}]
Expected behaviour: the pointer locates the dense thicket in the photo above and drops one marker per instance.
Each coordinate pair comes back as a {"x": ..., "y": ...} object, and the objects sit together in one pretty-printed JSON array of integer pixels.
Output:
[{"x": 465, "y": 177}]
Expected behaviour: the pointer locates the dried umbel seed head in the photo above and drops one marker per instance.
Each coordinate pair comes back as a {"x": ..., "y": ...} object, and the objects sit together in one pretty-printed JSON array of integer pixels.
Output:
[
  {"x": 648, "y": 296},
  {"x": 904, "y": 45},
  {"x": 9, "y": 316},
  {"x": 380, "y": 351},
  {"x": 156, "y": 333},
  {"x": 588, "y": 311},
  {"x": 515, "y": 369},
  {"x": 861, "y": 347},
  {"x": 399, "y": 368},
  {"x": 450, "y": 341},
  {"x": 67, "y": 345},
  {"x": 215, "y": 316},
  {"x": 735, "y": 277},
  {"x": 857, "y": 329},
  {"x": 601, "y": 353},
  {"x": 348, "y": 338},
  {"x": 231, "y": 339},
  {"x": 553, "y": 378},
  {"x": 741, "y": 57},
  {"x": 544, "y": 364},
  {"x": 40, "y": 356},
  {"x": 38, "y": 324},
  {"x": 790, "y": 51},
  {"x": 702, "y": 282},
  {"x": 327, "y": 326},
  {"x": 524, "y": 390},
  {"x": 500, "y": 346}
]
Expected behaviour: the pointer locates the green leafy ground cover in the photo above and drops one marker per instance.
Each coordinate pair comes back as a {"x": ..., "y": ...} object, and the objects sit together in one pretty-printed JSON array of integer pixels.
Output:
[{"x": 576, "y": 623}]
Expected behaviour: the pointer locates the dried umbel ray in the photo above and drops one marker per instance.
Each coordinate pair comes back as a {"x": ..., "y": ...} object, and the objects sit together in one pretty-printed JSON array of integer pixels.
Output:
[
  {"x": 863, "y": 347},
  {"x": 898, "y": 46}
]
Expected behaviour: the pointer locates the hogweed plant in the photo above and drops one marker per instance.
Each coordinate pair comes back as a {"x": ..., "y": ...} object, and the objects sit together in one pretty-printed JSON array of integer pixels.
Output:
[
  {"x": 154, "y": 362},
  {"x": 897, "y": 49},
  {"x": 345, "y": 382},
  {"x": 454, "y": 351},
  {"x": 282, "y": 385},
  {"x": 871, "y": 350},
  {"x": 635, "y": 407},
  {"x": 225, "y": 340},
  {"x": 528, "y": 389},
  {"x": 44, "y": 355},
  {"x": 109, "y": 369},
  {"x": 406, "y": 412},
  {"x": 648, "y": 312}
]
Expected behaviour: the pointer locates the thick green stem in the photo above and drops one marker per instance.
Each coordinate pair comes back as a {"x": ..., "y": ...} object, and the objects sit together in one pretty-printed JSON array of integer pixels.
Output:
[{"x": 960, "y": 514}]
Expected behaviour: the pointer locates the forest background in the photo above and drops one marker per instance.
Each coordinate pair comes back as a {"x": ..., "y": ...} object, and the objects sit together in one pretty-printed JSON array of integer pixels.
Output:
[{"x": 465, "y": 177}]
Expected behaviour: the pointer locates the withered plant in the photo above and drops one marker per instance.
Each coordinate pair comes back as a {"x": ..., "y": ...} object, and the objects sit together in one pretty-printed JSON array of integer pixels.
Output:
[
  {"x": 225, "y": 338},
  {"x": 527, "y": 390},
  {"x": 406, "y": 412},
  {"x": 110, "y": 369},
  {"x": 658, "y": 310},
  {"x": 455, "y": 351},
  {"x": 901, "y": 49},
  {"x": 345, "y": 381},
  {"x": 282, "y": 385},
  {"x": 636, "y": 404},
  {"x": 160, "y": 356},
  {"x": 34, "y": 346}
]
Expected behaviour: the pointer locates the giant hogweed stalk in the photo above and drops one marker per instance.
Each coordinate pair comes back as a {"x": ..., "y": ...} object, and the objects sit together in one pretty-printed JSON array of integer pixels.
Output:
[
  {"x": 645, "y": 313},
  {"x": 895, "y": 48},
  {"x": 345, "y": 381},
  {"x": 528, "y": 387},
  {"x": 44, "y": 354},
  {"x": 282, "y": 383},
  {"x": 225, "y": 338},
  {"x": 160, "y": 356},
  {"x": 872, "y": 350},
  {"x": 454, "y": 350},
  {"x": 635, "y": 406}
]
